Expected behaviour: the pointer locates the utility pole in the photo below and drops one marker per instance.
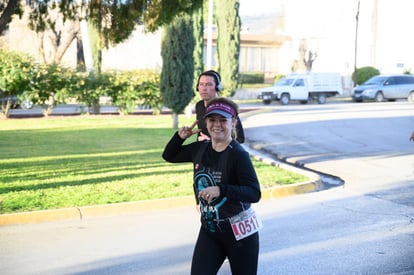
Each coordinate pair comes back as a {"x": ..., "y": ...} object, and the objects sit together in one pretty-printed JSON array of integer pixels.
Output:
[
  {"x": 374, "y": 34},
  {"x": 355, "y": 78}
]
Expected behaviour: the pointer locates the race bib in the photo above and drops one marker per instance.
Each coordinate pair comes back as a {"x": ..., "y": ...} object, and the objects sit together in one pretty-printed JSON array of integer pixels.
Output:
[{"x": 245, "y": 224}]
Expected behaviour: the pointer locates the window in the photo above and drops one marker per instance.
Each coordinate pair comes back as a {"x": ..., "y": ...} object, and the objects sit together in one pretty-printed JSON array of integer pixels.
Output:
[
  {"x": 390, "y": 81},
  {"x": 299, "y": 83},
  {"x": 405, "y": 80}
]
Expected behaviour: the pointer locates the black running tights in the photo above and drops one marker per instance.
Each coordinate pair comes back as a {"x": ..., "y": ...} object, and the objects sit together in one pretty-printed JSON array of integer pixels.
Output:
[{"x": 212, "y": 249}]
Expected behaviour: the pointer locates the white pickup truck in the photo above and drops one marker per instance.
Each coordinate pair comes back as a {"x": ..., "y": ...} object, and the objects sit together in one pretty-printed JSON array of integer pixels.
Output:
[{"x": 303, "y": 88}]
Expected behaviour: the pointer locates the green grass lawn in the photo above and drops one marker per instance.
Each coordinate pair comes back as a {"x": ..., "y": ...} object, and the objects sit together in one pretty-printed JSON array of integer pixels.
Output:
[{"x": 56, "y": 162}]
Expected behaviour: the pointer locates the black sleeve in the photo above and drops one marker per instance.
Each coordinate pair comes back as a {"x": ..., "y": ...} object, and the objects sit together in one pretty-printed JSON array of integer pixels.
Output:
[
  {"x": 245, "y": 185},
  {"x": 240, "y": 131},
  {"x": 200, "y": 112},
  {"x": 176, "y": 152}
]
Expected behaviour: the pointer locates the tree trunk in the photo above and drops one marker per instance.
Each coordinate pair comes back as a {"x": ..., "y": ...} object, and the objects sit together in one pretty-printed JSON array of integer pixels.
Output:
[
  {"x": 175, "y": 120},
  {"x": 67, "y": 41},
  {"x": 41, "y": 50},
  {"x": 80, "y": 57},
  {"x": 7, "y": 14}
]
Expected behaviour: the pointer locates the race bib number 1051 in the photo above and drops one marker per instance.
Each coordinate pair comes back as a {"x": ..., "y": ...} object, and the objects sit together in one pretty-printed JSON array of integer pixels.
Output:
[{"x": 245, "y": 224}]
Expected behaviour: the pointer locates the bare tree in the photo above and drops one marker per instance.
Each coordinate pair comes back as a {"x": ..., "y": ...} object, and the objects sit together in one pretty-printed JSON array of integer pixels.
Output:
[
  {"x": 59, "y": 37},
  {"x": 307, "y": 55}
]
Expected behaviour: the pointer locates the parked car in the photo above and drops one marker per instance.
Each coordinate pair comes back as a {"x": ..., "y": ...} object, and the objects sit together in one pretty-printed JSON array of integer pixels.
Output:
[
  {"x": 385, "y": 87},
  {"x": 15, "y": 102}
]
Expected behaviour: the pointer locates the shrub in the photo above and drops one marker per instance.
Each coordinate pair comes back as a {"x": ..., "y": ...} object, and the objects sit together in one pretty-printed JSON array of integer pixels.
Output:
[
  {"x": 49, "y": 85},
  {"x": 365, "y": 73},
  {"x": 278, "y": 77},
  {"x": 407, "y": 71},
  {"x": 132, "y": 88},
  {"x": 88, "y": 87},
  {"x": 15, "y": 76},
  {"x": 150, "y": 92},
  {"x": 251, "y": 78}
]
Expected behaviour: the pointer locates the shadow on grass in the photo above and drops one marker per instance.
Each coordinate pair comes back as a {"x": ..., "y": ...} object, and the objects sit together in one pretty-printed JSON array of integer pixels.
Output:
[
  {"x": 89, "y": 156},
  {"x": 63, "y": 142}
]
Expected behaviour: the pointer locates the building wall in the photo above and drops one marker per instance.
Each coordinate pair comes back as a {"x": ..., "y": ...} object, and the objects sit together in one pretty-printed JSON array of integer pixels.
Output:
[{"x": 141, "y": 51}]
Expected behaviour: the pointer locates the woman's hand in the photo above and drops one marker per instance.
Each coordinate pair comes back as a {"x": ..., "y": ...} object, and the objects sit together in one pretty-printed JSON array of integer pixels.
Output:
[
  {"x": 210, "y": 193},
  {"x": 412, "y": 137},
  {"x": 202, "y": 137},
  {"x": 186, "y": 132}
]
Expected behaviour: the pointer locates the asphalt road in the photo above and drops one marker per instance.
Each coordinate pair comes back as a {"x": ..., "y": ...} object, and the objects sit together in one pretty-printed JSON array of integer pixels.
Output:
[
  {"x": 365, "y": 144},
  {"x": 362, "y": 227}
]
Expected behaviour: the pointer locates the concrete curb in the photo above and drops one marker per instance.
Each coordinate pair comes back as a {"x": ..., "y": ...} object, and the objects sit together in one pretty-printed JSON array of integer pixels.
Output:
[
  {"x": 79, "y": 213},
  {"x": 313, "y": 184}
]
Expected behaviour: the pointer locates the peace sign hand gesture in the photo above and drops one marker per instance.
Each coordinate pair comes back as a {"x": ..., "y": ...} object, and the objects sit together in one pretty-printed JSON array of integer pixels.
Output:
[{"x": 186, "y": 132}]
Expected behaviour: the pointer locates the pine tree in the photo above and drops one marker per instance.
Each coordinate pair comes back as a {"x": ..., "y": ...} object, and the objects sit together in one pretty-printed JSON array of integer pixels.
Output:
[
  {"x": 228, "y": 43},
  {"x": 176, "y": 80},
  {"x": 198, "y": 24}
]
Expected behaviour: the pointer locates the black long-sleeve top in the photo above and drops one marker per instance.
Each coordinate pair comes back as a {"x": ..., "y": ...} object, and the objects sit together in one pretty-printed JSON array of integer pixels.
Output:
[
  {"x": 231, "y": 170},
  {"x": 200, "y": 110}
]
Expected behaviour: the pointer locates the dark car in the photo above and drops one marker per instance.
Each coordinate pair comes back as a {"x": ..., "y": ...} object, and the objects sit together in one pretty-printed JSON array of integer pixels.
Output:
[
  {"x": 15, "y": 102},
  {"x": 385, "y": 87}
]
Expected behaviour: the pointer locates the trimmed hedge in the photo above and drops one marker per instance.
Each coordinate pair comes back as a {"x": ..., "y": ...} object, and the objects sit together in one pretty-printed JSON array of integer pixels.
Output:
[
  {"x": 251, "y": 78},
  {"x": 49, "y": 85}
]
